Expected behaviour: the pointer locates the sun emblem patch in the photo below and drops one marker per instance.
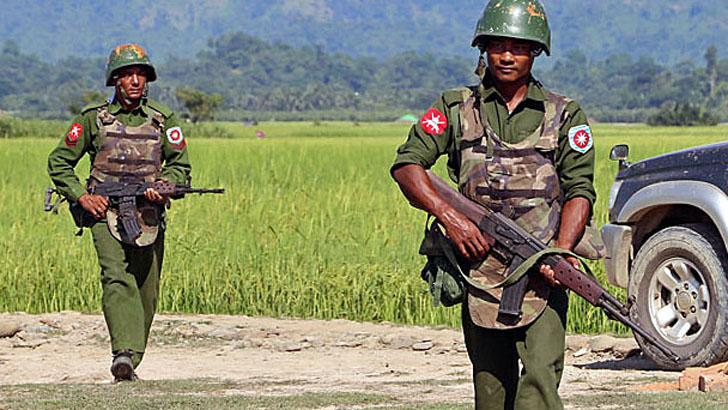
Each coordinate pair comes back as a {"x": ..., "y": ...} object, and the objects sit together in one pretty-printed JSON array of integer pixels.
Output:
[
  {"x": 433, "y": 122},
  {"x": 580, "y": 138},
  {"x": 175, "y": 138},
  {"x": 74, "y": 134}
]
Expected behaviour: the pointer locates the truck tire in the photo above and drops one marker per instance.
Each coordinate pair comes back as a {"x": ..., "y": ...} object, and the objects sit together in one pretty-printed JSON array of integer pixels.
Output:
[{"x": 678, "y": 280}]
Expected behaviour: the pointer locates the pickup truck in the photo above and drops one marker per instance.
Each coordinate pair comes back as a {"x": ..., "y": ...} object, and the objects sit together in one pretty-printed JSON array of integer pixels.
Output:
[{"x": 666, "y": 244}]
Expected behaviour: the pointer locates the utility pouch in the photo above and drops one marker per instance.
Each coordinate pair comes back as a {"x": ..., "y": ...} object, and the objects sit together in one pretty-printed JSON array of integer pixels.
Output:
[
  {"x": 81, "y": 217},
  {"x": 442, "y": 272}
]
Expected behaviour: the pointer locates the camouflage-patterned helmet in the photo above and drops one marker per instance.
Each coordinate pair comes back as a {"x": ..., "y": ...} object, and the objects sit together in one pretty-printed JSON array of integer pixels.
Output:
[
  {"x": 127, "y": 55},
  {"x": 519, "y": 19}
]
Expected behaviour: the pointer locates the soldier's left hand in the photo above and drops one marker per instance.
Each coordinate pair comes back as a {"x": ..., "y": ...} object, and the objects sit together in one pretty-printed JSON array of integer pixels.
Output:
[
  {"x": 548, "y": 272},
  {"x": 152, "y": 195}
]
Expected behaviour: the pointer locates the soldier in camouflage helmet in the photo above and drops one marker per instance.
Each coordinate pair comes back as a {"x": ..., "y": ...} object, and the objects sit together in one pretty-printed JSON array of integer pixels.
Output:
[
  {"x": 128, "y": 138},
  {"x": 525, "y": 152}
]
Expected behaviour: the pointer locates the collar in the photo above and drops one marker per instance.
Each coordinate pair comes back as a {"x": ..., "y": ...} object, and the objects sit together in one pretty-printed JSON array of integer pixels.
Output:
[
  {"x": 115, "y": 107},
  {"x": 535, "y": 90}
]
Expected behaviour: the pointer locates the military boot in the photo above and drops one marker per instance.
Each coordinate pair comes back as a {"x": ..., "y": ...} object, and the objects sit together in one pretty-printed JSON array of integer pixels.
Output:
[{"x": 122, "y": 367}]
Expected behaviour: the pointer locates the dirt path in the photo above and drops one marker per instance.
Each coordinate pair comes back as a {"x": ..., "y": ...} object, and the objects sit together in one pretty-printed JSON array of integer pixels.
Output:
[{"x": 278, "y": 356}]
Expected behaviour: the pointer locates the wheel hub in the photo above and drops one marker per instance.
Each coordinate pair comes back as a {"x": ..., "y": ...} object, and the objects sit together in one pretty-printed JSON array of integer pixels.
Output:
[
  {"x": 680, "y": 301},
  {"x": 686, "y": 300}
]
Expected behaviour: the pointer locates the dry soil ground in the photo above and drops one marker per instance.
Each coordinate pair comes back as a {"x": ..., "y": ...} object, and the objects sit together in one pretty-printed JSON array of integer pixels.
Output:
[{"x": 260, "y": 357}]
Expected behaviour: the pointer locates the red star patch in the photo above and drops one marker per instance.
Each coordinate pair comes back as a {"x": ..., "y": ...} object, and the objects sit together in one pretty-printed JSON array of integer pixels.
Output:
[
  {"x": 433, "y": 122},
  {"x": 581, "y": 139},
  {"x": 74, "y": 134}
]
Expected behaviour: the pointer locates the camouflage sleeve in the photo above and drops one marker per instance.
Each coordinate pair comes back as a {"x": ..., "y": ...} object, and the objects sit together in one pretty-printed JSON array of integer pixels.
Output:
[
  {"x": 431, "y": 137},
  {"x": 575, "y": 156},
  {"x": 176, "y": 159},
  {"x": 64, "y": 157}
]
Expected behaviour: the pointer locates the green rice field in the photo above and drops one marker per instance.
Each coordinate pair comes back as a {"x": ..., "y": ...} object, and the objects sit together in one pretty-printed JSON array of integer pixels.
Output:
[{"x": 311, "y": 225}]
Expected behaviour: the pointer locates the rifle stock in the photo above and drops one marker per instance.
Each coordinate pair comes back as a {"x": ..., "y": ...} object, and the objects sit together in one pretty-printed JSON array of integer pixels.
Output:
[{"x": 512, "y": 239}]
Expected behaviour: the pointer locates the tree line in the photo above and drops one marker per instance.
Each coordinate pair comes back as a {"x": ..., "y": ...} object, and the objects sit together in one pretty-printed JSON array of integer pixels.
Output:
[{"x": 240, "y": 77}]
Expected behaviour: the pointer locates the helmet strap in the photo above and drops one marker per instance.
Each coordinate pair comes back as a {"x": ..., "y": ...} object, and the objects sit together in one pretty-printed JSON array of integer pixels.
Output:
[
  {"x": 126, "y": 102},
  {"x": 480, "y": 69}
]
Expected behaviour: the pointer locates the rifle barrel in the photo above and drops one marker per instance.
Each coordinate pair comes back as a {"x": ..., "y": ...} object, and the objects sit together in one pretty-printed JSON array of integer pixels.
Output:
[
  {"x": 204, "y": 191},
  {"x": 615, "y": 313}
]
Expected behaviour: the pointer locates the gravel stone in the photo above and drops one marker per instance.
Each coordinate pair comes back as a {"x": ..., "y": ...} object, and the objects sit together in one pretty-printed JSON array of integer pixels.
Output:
[
  {"x": 422, "y": 346},
  {"x": 9, "y": 329},
  {"x": 602, "y": 343}
]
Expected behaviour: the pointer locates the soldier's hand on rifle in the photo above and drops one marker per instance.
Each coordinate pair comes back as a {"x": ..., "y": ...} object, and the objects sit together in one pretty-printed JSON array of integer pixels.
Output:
[
  {"x": 94, "y": 204},
  {"x": 152, "y": 195},
  {"x": 548, "y": 272},
  {"x": 465, "y": 235}
]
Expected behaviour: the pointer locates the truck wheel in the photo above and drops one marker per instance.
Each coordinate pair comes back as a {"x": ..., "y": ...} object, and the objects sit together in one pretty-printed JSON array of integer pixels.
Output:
[{"x": 678, "y": 279}]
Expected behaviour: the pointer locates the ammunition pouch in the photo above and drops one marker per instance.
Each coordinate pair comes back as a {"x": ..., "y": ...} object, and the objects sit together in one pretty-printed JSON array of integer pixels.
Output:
[
  {"x": 81, "y": 217},
  {"x": 443, "y": 274}
]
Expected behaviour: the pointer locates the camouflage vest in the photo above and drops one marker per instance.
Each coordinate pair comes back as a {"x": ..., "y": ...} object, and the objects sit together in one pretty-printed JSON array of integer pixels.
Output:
[
  {"x": 520, "y": 181},
  {"x": 130, "y": 154}
]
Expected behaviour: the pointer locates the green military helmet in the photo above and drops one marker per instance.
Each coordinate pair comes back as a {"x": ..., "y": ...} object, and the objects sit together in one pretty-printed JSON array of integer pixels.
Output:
[
  {"x": 519, "y": 19},
  {"x": 126, "y": 55}
]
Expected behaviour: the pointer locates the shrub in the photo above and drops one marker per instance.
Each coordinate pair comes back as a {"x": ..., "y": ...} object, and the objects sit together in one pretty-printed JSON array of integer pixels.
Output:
[{"x": 682, "y": 114}]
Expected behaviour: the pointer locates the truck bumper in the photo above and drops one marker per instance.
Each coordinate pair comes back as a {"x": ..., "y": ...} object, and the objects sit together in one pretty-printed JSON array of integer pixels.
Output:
[{"x": 618, "y": 241}]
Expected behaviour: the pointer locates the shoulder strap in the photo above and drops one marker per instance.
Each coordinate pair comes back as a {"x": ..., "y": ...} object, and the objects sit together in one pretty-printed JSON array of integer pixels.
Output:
[
  {"x": 103, "y": 116},
  {"x": 556, "y": 106},
  {"x": 158, "y": 120},
  {"x": 93, "y": 106},
  {"x": 159, "y": 114},
  {"x": 166, "y": 112}
]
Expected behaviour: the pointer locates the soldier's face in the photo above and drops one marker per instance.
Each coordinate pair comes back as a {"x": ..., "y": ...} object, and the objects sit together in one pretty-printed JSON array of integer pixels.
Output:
[
  {"x": 131, "y": 82},
  {"x": 509, "y": 60}
]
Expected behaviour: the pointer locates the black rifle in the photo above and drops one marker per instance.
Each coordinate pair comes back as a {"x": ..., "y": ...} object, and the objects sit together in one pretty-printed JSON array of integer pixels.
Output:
[
  {"x": 516, "y": 244},
  {"x": 123, "y": 195}
]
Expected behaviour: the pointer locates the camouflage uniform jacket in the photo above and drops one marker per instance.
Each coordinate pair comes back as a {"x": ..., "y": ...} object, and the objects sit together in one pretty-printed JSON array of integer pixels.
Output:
[
  {"x": 575, "y": 169},
  {"x": 515, "y": 174}
]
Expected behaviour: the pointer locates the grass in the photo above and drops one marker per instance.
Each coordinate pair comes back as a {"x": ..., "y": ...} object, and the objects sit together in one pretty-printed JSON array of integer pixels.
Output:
[
  {"x": 212, "y": 394},
  {"x": 179, "y": 394},
  {"x": 652, "y": 401},
  {"x": 311, "y": 226}
]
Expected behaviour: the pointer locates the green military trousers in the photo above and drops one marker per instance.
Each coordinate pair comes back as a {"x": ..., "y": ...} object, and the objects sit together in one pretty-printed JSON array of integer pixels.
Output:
[
  {"x": 540, "y": 348},
  {"x": 130, "y": 283}
]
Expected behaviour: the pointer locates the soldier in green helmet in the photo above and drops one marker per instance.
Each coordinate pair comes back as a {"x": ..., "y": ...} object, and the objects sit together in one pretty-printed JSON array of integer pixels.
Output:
[
  {"x": 129, "y": 138},
  {"x": 526, "y": 152}
]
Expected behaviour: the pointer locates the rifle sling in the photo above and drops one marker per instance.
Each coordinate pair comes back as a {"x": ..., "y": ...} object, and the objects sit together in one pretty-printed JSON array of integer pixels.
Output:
[{"x": 519, "y": 272}]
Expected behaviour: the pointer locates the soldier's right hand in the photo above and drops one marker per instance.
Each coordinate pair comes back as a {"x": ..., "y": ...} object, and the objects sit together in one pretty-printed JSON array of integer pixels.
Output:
[
  {"x": 466, "y": 236},
  {"x": 94, "y": 204}
]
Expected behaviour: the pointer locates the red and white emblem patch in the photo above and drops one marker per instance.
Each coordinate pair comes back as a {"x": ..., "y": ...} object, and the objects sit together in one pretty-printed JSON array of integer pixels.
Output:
[
  {"x": 74, "y": 134},
  {"x": 580, "y": 138},
  {"x": 175, "y": 138},
  {"x": 433, "y": 122}
]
